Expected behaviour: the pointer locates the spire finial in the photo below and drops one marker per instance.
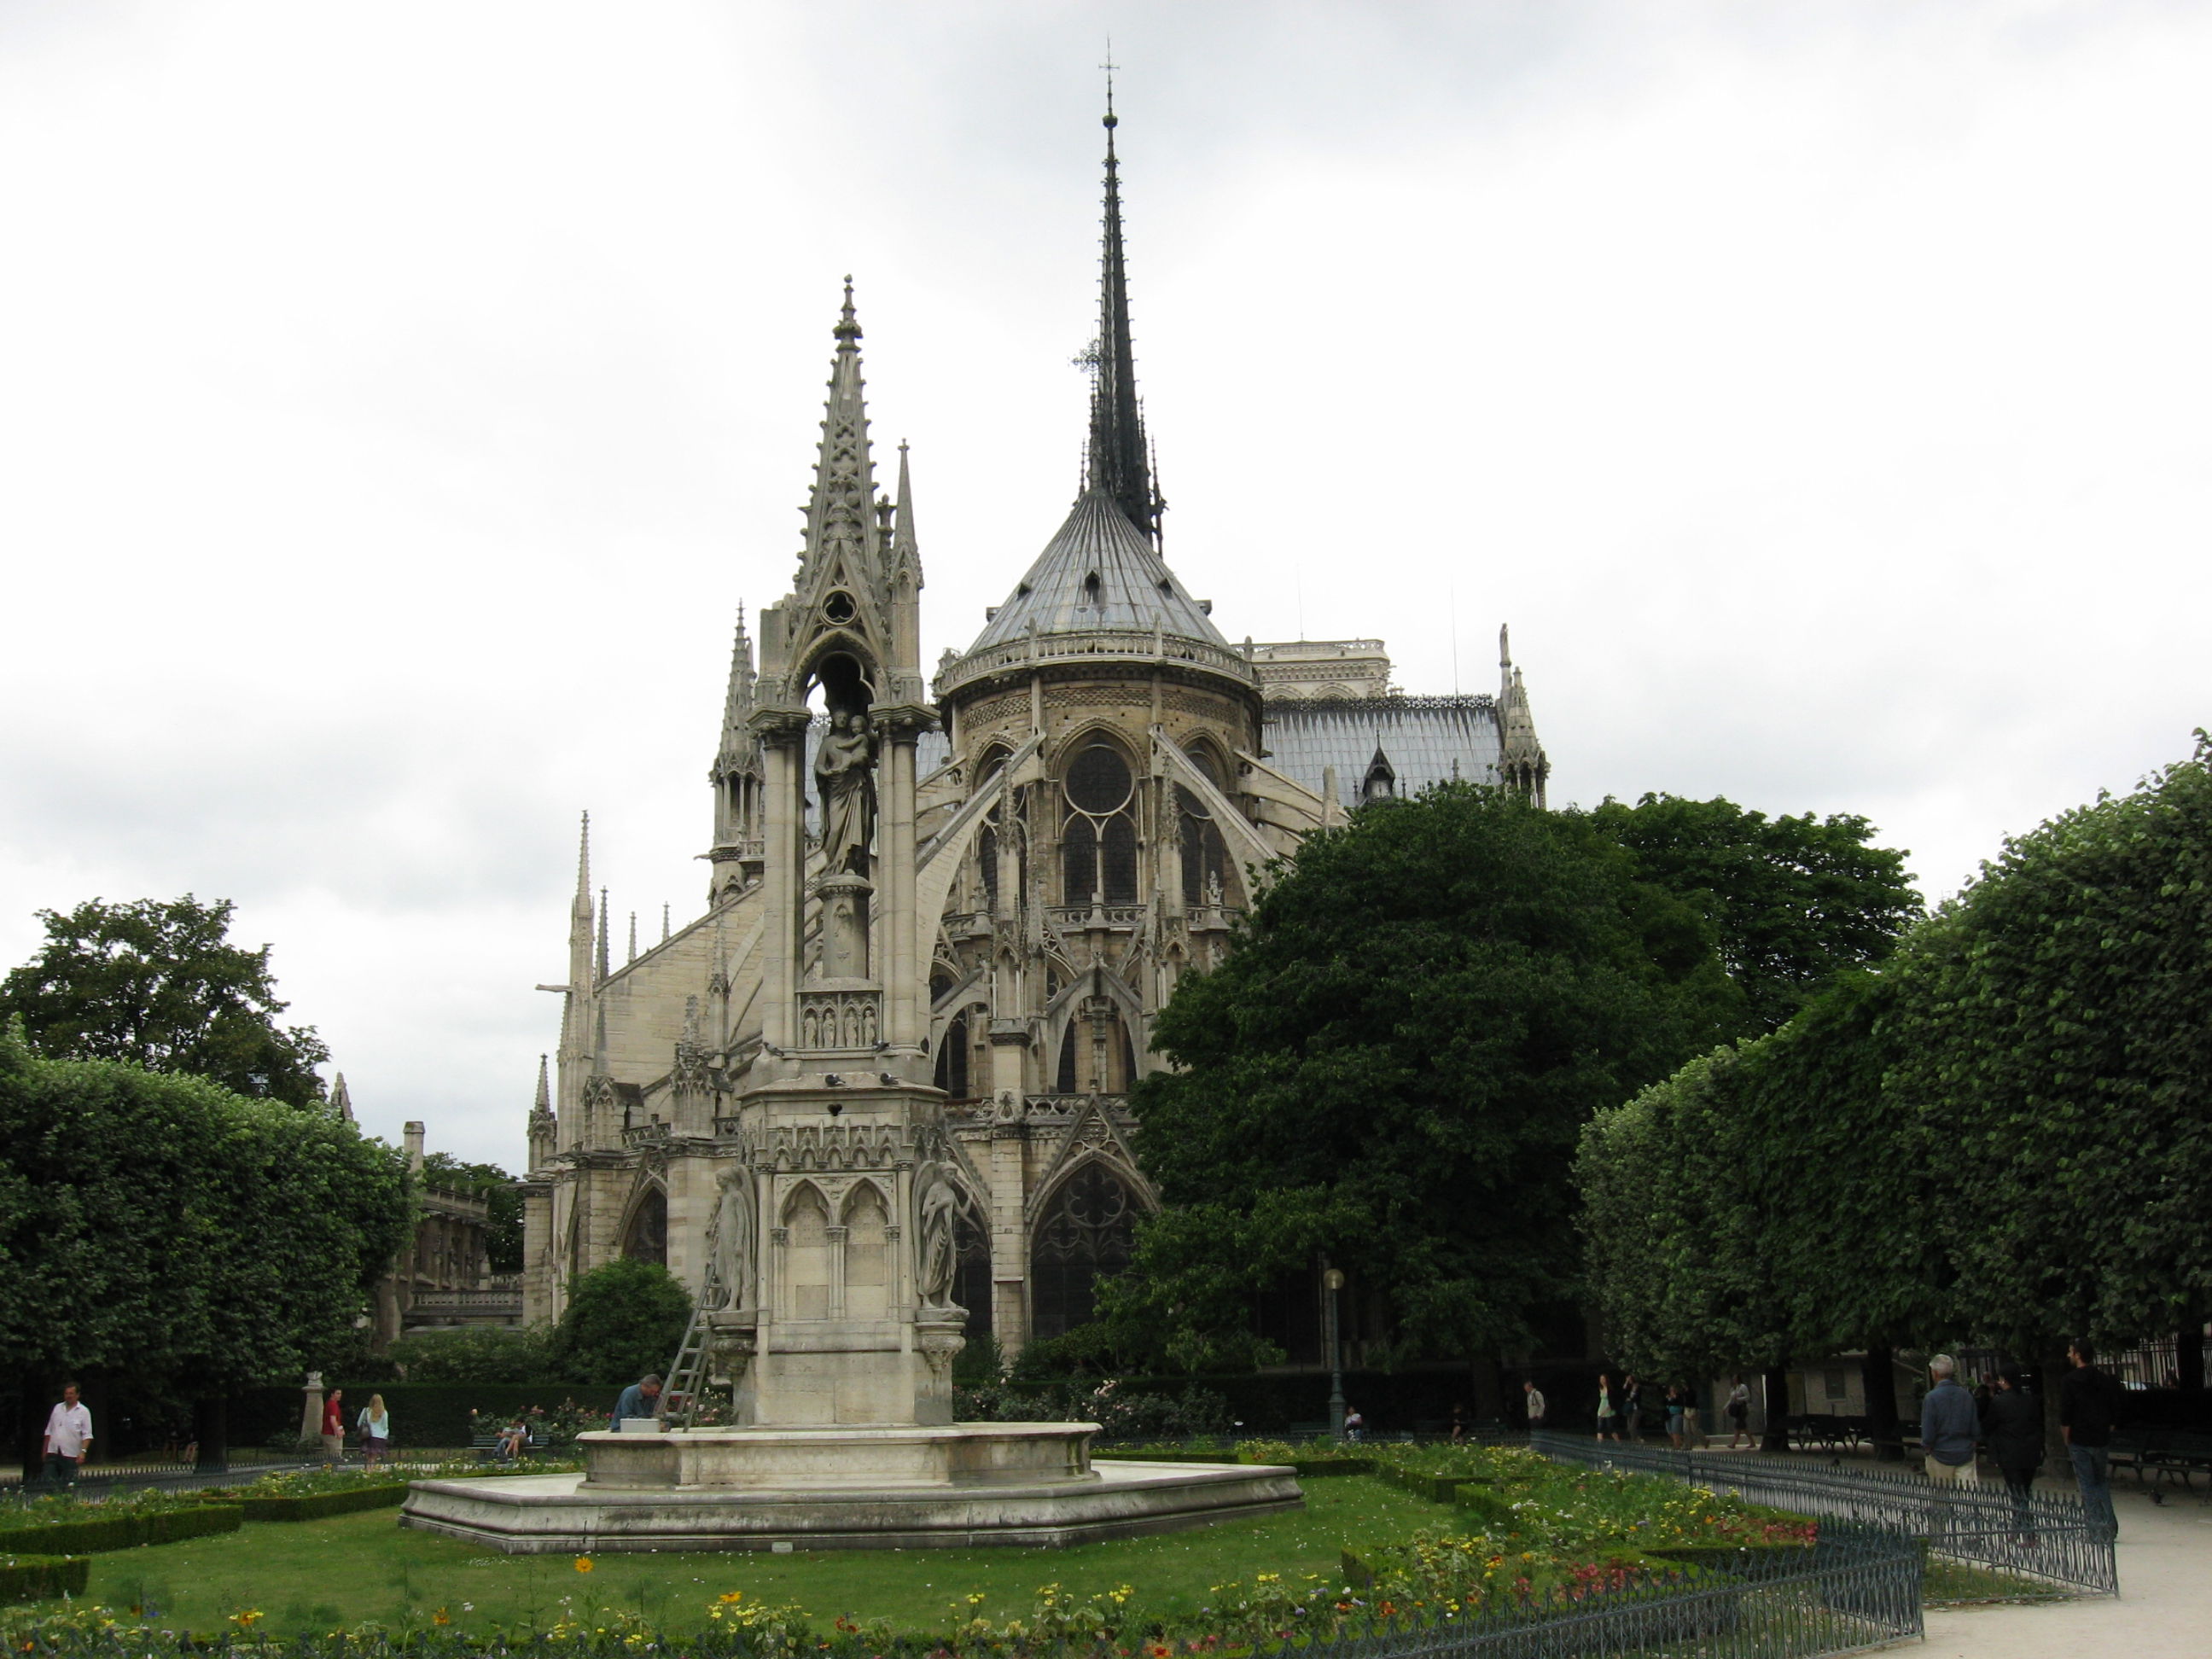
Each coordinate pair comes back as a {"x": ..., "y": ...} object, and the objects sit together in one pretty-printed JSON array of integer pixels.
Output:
[
  {"x": 849, "y": 324},
  {"x": 544, "y": 1087},
  {"x": 1118, "y": 460},
  {"x": 1111, "y": 121}
]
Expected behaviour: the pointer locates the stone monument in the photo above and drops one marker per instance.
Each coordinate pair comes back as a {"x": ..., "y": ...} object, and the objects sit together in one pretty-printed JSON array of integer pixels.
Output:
[{"x": 827, "y": 1309}]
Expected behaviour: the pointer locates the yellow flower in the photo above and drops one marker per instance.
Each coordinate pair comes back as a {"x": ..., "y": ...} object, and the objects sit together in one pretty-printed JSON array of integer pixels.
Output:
[
  {"x": 583, "y": 1564},
  {"x": 730, "y": 1598},
  {"x": 246, "y": 1619},
  {"x": 441, "y": 1617}
]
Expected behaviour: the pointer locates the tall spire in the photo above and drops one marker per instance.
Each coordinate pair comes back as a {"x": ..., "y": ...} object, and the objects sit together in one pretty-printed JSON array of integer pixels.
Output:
[
  {"x": 841, "y": 516},
  {"x": 1119, "y": 459},
  {"x": 340, "y": 1101},
  {"x": 602, "y": 937}
]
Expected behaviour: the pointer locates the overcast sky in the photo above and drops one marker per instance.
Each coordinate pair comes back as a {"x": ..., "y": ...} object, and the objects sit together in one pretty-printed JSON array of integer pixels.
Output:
[{"x": 397, "y": 401}]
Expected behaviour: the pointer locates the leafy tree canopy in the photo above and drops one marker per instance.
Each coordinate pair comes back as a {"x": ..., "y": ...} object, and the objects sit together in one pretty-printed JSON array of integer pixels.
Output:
[
  {"x": 159, "y": 984},
  {"x": 1790, "y": 903},
  {"x": 623, "y": 1319},
  {"x": 1392, "y": 1066},
  {"x": 162, "y": 1225},
  {"x": 2000, "y": 1137},
  {"x": 502, "y": 1197},
  {"x": 485, "y": 1354}
]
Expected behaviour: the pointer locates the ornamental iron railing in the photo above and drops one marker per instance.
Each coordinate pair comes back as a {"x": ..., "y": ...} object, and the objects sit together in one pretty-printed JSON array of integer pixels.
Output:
[{"x": 2037, "y": 1534}]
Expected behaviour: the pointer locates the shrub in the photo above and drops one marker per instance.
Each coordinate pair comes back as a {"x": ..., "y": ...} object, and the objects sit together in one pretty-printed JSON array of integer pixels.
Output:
[
  {"x": 483, "y": 1355},
  {"x": 95, "y": 1533},
  {"x": 42, "y": 1577},
  {"x": 624, "y": 1320}
]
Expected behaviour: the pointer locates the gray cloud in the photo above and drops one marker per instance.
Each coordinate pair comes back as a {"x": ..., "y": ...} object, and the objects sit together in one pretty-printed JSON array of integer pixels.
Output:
[{"x": 398, "y": 410}]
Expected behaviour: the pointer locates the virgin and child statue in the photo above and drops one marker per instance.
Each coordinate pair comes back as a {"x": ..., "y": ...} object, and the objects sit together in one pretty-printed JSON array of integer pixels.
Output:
[{"x": 844, "y": 772}]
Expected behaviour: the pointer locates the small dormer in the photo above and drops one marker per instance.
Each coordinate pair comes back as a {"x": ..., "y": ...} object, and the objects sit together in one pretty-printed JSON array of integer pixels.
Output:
[{"x": 1380, "y": 782}]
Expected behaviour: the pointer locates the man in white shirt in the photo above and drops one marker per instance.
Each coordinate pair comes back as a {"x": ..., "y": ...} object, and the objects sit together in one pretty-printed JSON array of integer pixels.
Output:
[
  {"x": 68, "y": 1437},
  {"x": 1534, "y": 1398}
]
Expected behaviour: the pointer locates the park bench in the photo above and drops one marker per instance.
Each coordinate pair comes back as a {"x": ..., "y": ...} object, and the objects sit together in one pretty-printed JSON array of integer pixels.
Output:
[
  {"x": 2177, "y": 1454},
  {"x": 2131, "y": 1447},
  {"x": 486, "y": 1446}
]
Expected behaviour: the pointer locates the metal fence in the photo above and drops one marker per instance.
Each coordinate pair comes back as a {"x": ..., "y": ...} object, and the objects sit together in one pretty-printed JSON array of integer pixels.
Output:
[
  {"x": 1859, "y": 1589},
  {"x": 2042, "y": 1535},
  {"x": 126, "y": 1472}
]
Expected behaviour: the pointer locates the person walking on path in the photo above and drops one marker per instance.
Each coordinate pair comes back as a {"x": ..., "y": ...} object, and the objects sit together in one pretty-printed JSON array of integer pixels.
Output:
[
  {"x": 1949, "y": 1425},
  {"x": 1532, "y": 1401},
  {"x": 68, "y": 1437},
  {"x": 375, "y": 1431},
  {"x": 2089, "y": 1401},
  {"x": 640, "y": 1399},
  {"x": 1675, "y": 1414},
  {"x": 1739, "y": 1413},
  {"x": 2012, "y": 1426},
  {"x": 334, "y": 1427},
  {"x": 1609, "y": 1420},
  {"x": 1631, "y": 1405},
  {"x": 1355, "y": 1425}
]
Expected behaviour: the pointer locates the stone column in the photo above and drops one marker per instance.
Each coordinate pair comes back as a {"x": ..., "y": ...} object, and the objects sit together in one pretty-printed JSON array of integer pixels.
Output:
[
  {"x": 783, "y": 739},
  {"x": 311, "y": 1409}
]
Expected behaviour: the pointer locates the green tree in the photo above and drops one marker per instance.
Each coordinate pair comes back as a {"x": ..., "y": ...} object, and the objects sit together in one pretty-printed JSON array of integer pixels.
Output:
[
  {"x": 1790, "y": 901},
  {"x": 623, "y": 1319},
  {"x": 502, "y": 1196},
  {"x": 1392, "y": 1066},
  {"x": 1999, "y": 1135},
  {"x": 161, "y": 1227},
  {"x": 2063, "y": 1067},
  {"x": 486, "y": 1354},
  {"x": 159, "y": 984}
]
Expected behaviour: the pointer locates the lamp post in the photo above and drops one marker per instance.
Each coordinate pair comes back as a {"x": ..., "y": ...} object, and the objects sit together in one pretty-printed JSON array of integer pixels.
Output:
[{"x": 1331, "y": 1280}]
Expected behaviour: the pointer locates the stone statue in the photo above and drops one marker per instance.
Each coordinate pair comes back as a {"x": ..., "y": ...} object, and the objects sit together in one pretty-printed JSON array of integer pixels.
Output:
[
  {"x": 734, "y": 1226},
  {"x": 936, "y": 1253},
  {"x": 844, "y": 772}
]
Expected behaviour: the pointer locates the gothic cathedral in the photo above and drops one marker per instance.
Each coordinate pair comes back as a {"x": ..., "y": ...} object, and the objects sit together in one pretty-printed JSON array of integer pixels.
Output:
[{"x": 966, "y": 898}]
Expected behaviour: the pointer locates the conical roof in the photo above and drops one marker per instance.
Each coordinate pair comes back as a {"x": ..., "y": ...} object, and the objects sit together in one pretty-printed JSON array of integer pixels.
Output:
[{"x": 1098, "y": 575}]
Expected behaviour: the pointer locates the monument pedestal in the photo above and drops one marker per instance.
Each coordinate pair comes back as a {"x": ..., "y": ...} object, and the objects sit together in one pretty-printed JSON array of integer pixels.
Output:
[{"x": 952, "y": 1485}]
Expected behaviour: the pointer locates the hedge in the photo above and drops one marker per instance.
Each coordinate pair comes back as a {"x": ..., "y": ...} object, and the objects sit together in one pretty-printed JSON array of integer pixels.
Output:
[
  {"x": 42, "y": 1577},
  {"x": 1272, "y": 1403},
  {"x": 422, "y": 1413},
  {"x": 313, "y": 1506},
  {"x": 98, "y": 1534}
]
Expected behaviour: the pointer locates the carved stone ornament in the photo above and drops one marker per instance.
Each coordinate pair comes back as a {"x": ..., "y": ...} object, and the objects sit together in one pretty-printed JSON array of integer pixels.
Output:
[{"x": 736, "y": 1221}]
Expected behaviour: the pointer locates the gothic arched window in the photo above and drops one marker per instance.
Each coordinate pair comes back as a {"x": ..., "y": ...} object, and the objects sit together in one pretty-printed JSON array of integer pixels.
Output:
[
  {"x": 971, "y": 1278},
  {"x": 646, "y": 1238},
  {"x": 1206, "y": 868},
  {"x": 1085, "y": 1234},
  {"x": 1098, "y": 836},
  {"x": 952, "y": 1058}
]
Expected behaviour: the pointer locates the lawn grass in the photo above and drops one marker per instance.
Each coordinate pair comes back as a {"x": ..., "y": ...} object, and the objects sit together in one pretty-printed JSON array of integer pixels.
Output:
[
  {"x": 320, "y": 1575},
  {"x": 1959, "y": 1584}
]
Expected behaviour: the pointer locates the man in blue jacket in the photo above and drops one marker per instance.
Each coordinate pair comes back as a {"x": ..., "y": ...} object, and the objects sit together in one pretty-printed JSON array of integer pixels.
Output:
[
  {"x": 640, "y": 1400},
  {"x": 1949, "y": 1425}
]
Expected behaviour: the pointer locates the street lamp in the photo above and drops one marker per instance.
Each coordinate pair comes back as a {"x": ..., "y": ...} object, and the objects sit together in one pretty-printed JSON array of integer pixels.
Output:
[{"x": 1331, "y": 1280}]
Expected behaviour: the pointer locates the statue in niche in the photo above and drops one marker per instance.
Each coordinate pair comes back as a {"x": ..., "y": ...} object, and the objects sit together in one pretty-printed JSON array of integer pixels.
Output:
[
  {"x": 734, "y": 1225},
  {"x": 844, "y": 772},
  {"x": 936, "y": 1252}
]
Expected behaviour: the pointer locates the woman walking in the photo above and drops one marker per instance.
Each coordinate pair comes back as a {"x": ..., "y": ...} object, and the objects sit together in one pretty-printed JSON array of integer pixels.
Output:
[
  {"x": 2012, "y": 1426},
  {"x": 1675, "y": 1414},
  {"x": 1632, "y": 1407},
  {"x": 1608, "y": 1421},
  {"x": 375, "y": 1431},
  {"x": 1739, "y": 1411}
]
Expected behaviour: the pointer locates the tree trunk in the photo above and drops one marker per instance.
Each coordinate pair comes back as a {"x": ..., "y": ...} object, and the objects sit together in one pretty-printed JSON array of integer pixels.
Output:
[
  {"x": 2056, "y": 1364},
  {"x": 1878, "y": 1378},
  {"x": 211, "y": 1430},
  {"x": 1487, "y": 1379},
  {"x": 2189, "y": 1360},
  {"x": 31, "y": 1424},
  {"x": 1775, "y": 1436}
]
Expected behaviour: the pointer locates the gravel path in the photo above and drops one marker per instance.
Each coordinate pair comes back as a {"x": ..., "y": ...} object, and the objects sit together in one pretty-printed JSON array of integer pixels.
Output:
[{"x": 2164, "y": 1610}]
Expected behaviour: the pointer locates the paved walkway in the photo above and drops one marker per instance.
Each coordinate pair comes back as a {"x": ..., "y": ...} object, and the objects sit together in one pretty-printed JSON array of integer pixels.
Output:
[{"x": 2164, "y": 1610}]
